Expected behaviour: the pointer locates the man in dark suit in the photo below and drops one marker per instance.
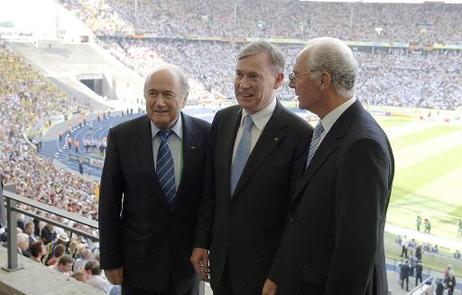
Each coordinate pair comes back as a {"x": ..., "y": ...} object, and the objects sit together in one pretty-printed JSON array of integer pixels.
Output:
[
  {"x": 250, "y": 190},
  {"x": 333, "y": 241},
  {"x": 151, "y": 185}
]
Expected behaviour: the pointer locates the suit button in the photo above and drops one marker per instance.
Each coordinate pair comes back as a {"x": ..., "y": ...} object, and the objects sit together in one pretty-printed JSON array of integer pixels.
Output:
[{"x": 291, "y": 220}]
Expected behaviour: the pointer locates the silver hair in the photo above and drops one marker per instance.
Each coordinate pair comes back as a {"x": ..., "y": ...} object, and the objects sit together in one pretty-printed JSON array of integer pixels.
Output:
[
  {"x": 335, "y": 57},
  {"x": 173, "y": 69},
  {"x": 277, "y": 58},
  {"x": 21, "y": 237}
]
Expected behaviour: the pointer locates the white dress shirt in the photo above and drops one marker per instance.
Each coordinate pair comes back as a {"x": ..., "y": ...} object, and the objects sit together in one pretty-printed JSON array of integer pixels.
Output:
[
  {"x": 329, "y": 120},
  {"x": 260, "y": 119}
]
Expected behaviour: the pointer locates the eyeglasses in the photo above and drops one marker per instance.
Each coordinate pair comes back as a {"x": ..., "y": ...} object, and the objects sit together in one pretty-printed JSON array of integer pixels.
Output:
[{"x": 293, "y": 76}]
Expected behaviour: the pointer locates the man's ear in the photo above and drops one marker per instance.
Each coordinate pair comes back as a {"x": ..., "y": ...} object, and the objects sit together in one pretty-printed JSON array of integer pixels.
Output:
[
  {"x": 325, "y": 80},
  {"x": 278, "y": 80}
]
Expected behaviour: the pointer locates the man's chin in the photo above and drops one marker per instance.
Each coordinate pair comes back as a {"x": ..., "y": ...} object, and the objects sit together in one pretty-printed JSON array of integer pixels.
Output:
[{"x": 162, "y": 124}]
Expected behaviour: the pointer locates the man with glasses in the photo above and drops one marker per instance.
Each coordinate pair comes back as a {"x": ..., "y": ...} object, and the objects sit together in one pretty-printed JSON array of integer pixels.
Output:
[
  {"x": 151, "y": 186},
  {"x": 255, "y": 148},
  {"x": 333, "y": 242}
]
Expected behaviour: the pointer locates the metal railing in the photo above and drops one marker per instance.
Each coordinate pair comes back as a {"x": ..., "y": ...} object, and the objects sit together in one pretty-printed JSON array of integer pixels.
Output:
[
  {"x": 423, "y": 287},
  {"x": 12, "y": 202}
]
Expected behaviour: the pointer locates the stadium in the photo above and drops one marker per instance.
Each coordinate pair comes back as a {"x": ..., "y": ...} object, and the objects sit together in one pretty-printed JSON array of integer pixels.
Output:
[{"x": 72, "y": 69}]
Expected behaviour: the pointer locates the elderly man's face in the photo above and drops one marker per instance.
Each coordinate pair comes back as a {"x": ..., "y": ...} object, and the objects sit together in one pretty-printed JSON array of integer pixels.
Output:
[
  {"x": 255, "y": 82},
  {"x": 164, "y": 98},
  {"x": 29, "y": 229},
  {"x": 307, "y": 90}
]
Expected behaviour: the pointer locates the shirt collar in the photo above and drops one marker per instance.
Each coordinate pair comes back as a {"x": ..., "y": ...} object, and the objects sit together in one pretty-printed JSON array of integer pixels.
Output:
[
  {"x": 261, "y": 117},
  {"x": 176, "y": 128},
  {"x": 329, "y": 120}
]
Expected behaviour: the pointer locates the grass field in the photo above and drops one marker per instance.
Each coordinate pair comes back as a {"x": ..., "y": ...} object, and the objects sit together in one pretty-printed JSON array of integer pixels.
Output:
[{"x": 428, "y": 176}]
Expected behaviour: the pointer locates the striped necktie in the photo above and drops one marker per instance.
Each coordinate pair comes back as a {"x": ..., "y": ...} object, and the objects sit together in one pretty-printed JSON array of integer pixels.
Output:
[
  {"x": 165, "y": 167},
  {"x": 315, "y": 140},
  {"x": 242, "y": 153}
]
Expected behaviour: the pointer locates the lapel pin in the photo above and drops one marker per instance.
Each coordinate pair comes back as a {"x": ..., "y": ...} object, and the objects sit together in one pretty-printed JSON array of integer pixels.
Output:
[
  {"x": 193, "y": 147},
  {"x": 276, "y": 139}
]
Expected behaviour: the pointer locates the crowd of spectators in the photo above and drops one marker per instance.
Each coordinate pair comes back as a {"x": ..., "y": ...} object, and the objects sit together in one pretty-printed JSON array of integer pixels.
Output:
[
  {"x": 28, "y": 99},
  {"x": 391, "y": 22},
  {"x": 394, "y": 77},
  {"x": 51, "y": 246}
]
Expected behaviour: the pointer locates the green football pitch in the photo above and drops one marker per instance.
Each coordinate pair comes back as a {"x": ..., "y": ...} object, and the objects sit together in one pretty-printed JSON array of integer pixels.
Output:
[{"x": 428, "y": 173}]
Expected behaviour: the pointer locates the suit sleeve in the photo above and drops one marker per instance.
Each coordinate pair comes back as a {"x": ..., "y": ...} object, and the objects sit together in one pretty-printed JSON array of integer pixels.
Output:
[
  {"x": 202, "y": 238},
  {"x": 362, "y": 194},
  {"x": 110, "y": 204}
]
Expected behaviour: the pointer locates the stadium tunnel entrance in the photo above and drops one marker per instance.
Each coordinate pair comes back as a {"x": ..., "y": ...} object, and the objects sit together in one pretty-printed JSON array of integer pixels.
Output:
[{"x": 96, "y": 83}]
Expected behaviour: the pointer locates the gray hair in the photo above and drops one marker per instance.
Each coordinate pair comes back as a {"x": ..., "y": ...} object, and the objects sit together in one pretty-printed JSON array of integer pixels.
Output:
[
  {"x": 277, "y": 58},
  {"x": 173, "y": 69},
  {"x": 22, "y": 237},
  {"x": 335, "y": 57}
]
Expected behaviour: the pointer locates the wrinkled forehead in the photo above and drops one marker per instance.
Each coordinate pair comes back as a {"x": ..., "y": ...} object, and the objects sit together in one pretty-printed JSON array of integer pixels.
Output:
[{"x": 163, "y": 79}]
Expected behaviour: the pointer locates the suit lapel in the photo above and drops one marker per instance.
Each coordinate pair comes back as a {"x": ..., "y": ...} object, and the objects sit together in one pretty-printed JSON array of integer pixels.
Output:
[
  {"x": 328, "y": 146},
  {"x": 273, "y": 134},
  {"x": 190, "y": 147},
  {"x": 143, "y": 150}
]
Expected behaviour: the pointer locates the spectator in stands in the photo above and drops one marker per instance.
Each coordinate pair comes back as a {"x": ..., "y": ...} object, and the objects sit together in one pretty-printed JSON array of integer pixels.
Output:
[
  {"x": 332, "y": 192},
  {"x": 64, "y": 265},
  {"x": 95, "y": 279},
  {"x": 23, "y": 244},
  {"x": 152, "y": 254},
  {"x": 242, "y": 252},
  {"x": 54, "y": 254},
  {"x": 404, "y": 274},
  {"x": 29, "y": 230},
  {"x": 85, "y": 256},
  {"x": 418, "y": 272},
  {"x": 62, "y": 239},
  {"x": 80, "y": 275},
  {"x": 38, "y": 251},
  {"x": 48, "y": 234}
]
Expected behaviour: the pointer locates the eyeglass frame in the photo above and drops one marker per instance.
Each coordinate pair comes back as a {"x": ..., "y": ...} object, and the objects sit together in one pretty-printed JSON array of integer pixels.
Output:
[{"x": 293, "y": 77}]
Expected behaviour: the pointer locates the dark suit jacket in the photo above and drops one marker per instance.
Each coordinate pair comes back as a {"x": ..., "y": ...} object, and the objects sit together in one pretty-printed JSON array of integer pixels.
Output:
[
  {"x": 333, "y": 242},
  {"x": 248, "y": 225},
  {"x": 137, "y": 229}
]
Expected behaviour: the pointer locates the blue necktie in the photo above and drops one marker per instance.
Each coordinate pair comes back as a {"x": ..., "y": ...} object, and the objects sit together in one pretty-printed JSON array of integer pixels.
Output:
[
  {"x": 315, "y": 140},
  {"x": 165, "y": 167},
  {"x": 242, "y": 153}
]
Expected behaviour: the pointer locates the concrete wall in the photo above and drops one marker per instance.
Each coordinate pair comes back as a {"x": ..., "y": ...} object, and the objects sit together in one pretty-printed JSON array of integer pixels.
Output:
[{"x": 37, "y": 279}]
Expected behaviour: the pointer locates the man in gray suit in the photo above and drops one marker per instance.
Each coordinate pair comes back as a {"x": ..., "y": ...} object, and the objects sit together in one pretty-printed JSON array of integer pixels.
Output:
[
  {"x": 253, "y": 151},
  {"x": 333, "y": 241}
]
